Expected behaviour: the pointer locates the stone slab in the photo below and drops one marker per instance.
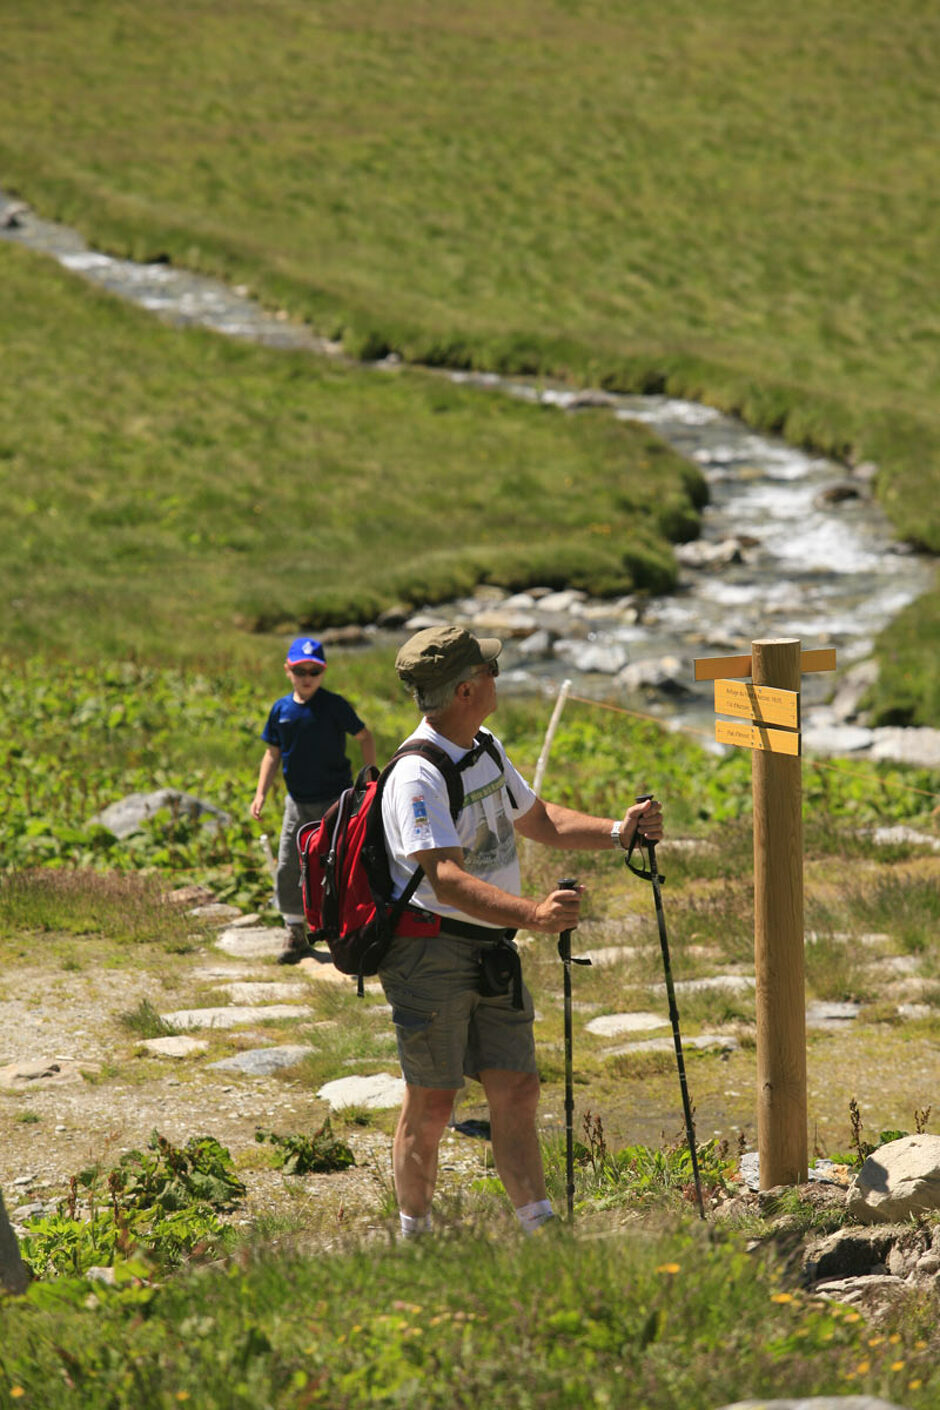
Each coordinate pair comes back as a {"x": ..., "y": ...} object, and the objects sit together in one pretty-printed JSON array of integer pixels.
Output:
[
  {"x": 261, "y": 1062},
  {"x": 234, "y": 1016},
  {"x": 733, "y": 983},
  {"x": 823, "y": 1013},
  {"x": 611, "y": 1025},
  {"x": 719, "y": 1042},
  {"x": 21, "y": 1076},
  {"x": 607, "y": 955},
  {"x": 252, "y": 941},
  {"x": 241, "y": 992},
  {"x": 177, "y": 1046},
  {"x": 378, "y": 1091}
]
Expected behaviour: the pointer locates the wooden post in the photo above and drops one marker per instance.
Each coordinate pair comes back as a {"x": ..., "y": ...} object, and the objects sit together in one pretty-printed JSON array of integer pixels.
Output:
[{"x": 778, "y": 939}]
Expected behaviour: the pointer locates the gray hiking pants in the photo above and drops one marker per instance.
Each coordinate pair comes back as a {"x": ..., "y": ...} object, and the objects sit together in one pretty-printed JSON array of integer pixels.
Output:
[{"x": 287, "y": 893}]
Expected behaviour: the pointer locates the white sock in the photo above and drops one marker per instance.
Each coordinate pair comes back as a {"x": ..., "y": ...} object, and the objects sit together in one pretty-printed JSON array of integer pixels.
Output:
[
  {"x": 414, "y": 1224},
  {"x": 530, "y": 1216}
]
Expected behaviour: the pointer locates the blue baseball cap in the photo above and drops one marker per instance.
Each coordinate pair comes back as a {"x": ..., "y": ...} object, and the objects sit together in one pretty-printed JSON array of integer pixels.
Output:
[{"x": 305, "y": 648}]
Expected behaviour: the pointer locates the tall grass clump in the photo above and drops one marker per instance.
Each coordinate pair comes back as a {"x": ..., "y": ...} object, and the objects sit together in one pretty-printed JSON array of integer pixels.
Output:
[{"x": 121, "y": 906}]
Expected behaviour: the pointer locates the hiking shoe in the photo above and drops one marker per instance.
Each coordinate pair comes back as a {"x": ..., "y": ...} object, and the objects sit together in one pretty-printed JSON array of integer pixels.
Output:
[{"x": 296, "y": 946}]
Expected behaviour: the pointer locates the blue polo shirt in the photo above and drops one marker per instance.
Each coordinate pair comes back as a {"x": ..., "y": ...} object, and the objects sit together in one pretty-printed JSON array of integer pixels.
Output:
[{"x": 312, "y": 739}]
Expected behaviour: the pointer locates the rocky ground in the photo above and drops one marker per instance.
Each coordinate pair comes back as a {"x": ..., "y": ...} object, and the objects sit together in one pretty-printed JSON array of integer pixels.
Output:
[{"x": 253, "y": 1041}]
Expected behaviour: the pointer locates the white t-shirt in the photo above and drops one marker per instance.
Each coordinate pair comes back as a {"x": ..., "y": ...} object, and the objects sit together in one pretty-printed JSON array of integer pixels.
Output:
[{"x": 416, "y": 817}]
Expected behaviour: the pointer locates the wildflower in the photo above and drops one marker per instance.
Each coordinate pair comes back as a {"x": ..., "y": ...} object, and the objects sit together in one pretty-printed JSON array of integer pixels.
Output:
[
  {"x": 16, "y": 1392},
  {"x": 782, "y": 1297},
  {"x": 863, "y": 1367},
  {"x": 915, "y": 1384},
  {"x": 897, "y": 1365},
  {"x": 668, "y": 1268}
]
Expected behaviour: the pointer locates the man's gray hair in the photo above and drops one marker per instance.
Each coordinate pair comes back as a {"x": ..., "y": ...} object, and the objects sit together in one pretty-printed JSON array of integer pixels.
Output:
[{"x": 431, "y": 699}]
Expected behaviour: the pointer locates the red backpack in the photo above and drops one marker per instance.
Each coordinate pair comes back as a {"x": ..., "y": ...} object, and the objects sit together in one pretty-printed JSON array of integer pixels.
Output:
[{"x": 344, "y": 870}]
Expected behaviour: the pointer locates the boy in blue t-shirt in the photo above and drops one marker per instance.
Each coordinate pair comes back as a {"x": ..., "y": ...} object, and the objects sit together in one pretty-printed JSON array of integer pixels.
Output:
[{"x": 306, "y": 736}]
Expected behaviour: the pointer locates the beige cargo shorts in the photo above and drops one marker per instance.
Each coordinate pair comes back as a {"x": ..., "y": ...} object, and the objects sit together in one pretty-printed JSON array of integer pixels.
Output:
[{"x": 446, "y": 1029}]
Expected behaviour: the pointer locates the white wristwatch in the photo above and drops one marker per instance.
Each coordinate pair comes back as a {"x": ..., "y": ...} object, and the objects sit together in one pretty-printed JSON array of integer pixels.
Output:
[{"x": 615, "y": 833}]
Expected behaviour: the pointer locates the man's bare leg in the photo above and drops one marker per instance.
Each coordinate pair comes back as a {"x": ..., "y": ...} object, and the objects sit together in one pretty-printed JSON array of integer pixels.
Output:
[
  {"x": 425, "y": 1113},
  {"x": 513, "y": 1099}
]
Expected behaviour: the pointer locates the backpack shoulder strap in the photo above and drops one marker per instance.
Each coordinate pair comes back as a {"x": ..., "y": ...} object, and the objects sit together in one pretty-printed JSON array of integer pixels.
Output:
[
  {"x": 487, "y": 745},
  {"x": 442, "y": 761}
]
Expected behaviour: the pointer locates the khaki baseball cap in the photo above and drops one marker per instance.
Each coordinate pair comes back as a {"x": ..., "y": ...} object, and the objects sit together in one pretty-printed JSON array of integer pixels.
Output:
[{"x": 440, "y": 654}]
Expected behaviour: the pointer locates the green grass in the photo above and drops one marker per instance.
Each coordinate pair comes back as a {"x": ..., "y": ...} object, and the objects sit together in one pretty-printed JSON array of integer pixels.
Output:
[
  {"x": 460, "y": 1322},
  {"x": 736, "y": 201},
  {"x": 177, "y": 487}
]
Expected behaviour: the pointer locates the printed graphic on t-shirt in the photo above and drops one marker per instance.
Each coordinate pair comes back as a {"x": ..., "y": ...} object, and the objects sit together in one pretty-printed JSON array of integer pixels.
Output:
[
  {"x": 484, "y": 791},
  {"x": 419, "y": 811},
  {"x": 494, "y": 842}
]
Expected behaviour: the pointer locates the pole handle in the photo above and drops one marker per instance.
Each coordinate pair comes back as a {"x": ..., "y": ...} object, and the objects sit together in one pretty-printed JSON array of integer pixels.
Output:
[{"x": 568, "y": 883}]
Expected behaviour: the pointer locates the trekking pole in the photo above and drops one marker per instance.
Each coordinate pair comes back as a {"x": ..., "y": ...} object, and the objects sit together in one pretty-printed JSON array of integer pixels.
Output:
[
  {"x": 656, "y": 880},
  {"x": 567, "y": 960}
]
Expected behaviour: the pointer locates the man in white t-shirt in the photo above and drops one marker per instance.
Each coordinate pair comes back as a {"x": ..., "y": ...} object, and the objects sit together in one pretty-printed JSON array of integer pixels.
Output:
[{"x": 456, "y": 1014}]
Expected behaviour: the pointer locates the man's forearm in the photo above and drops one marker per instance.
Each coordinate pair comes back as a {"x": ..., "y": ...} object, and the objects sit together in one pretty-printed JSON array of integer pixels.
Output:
[
  {"x": 487, "y": 903},
  {"x": 555, "y": 826}
]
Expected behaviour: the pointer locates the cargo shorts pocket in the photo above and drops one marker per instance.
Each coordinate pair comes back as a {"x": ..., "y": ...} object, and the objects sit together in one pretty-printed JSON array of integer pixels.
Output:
[{"x": 410, "y": 1023}]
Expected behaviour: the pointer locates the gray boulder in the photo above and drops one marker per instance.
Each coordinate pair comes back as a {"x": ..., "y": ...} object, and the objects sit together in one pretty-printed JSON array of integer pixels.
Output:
[
  {"x": 663, "y": 676},
  {"x": 13, "y": 1273},
  {"x": 860, "y": 1253},
  {"x": 899, "y": 1180},
  {"x": 817, "y": 1402},
  {"x": 129, "y": 814}
]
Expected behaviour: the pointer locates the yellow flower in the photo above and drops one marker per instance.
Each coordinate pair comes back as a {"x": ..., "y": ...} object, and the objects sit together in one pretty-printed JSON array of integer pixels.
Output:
[
  {"x": 853, "y": 1316},
  {"x": 894, "y": 1338},
  {"x": 668, "y": 1268},
  {"x": 915, "y": 1384},
  {"x": 897, "y": 1365},
  {"x": 863, "y": 1368},
  {"x": 875, "y": 1341},
  {"x": 782, "y": 1297},
  {"x": 16, "y": 1392}
]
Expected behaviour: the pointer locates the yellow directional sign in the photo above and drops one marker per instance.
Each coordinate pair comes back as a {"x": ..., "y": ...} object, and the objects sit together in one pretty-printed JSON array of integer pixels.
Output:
[
  {"x": 713, "y": 668},
  {"x": 776, "y": 741},
  {"x": 763, "y": 703}
]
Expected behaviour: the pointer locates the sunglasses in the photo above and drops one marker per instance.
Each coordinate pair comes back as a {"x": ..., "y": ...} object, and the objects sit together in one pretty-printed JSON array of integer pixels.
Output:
[
  {"x": 491, "y": 668},
  {"x": 302, "y": 671}
]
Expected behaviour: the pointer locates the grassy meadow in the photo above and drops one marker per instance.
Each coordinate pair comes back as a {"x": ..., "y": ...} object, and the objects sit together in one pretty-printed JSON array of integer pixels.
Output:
[
  {"x": 733, "y": 200},
  {"x": 166, "y": 488}
]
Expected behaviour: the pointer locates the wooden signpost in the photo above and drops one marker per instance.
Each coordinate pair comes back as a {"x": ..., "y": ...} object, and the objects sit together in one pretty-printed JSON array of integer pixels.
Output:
[{"x": 770, "y": 707}]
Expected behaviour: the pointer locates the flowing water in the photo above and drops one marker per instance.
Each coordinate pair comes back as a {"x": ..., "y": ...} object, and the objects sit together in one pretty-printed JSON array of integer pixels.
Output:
[{"x": 804, "y": 563}]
